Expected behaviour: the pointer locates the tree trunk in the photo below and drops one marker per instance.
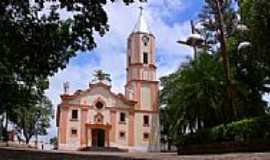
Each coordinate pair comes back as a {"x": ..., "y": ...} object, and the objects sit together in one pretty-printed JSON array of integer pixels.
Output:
[
  {"x": 225, "y": 57},
  {"x": 27, "y": 140},
  {"x": 27, "y": 137},
  {"x": 5, "y": 129},
  {"x": 169, "y": 144},
  {"x": 1, "y": 129}
]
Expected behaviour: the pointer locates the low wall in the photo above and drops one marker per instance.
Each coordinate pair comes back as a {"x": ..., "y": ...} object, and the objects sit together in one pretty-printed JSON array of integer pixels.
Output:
[
  {"x": 16, "y": 145},
  {"x": 222, "y": 148},
  {"x": 17, "y": 154}
]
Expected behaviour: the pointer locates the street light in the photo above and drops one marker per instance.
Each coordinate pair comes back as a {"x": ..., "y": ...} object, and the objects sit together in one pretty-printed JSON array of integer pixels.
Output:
[
  {"x": 194, "y": 40},
  {"x": 243, "y": 45}
]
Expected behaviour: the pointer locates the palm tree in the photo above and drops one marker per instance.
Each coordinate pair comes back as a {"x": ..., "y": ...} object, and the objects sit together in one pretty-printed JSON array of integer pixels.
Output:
[
  {"x": 100, "y": 75},
  {"x": 194, "y": 95}
]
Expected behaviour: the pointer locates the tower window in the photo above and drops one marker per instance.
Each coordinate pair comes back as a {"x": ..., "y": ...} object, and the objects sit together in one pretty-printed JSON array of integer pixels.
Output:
[
  {"x": 129, "y": 60},
  {"x": 145, "y": 58},
  {"x": 122, "y": 117},
  {"x": 146, "y": 120},
  {"x": 122, "y": 134},
  {"x": 145, "y": 44},
  {"x": 74, "y": 115},
  {"x": 73, "y": 132},
  {"x": 145, "y": 40},
  {"x": 145, "y": 136}
]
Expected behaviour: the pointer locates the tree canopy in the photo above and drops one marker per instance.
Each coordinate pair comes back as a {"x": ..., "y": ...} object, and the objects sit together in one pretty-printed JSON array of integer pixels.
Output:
[
  {"x": 36, "y": 42},
  {"x": 195, "y": 96}
]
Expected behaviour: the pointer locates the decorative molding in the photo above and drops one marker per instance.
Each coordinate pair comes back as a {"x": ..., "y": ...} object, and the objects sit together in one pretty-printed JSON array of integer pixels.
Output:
[
  {"x": 142, "y": 33},
  {"x": 92, "y": 86},
  {"x": 148, "y": 66}
]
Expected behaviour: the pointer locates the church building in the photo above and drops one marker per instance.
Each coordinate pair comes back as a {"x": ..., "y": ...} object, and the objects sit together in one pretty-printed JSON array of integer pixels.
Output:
[{"x": 98, "y": 117}]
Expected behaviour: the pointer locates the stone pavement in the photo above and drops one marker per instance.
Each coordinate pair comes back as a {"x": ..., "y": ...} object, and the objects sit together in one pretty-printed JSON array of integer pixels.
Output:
[
  {"x": 231, "y": 156},
  {"x": 25, "y": 154}
]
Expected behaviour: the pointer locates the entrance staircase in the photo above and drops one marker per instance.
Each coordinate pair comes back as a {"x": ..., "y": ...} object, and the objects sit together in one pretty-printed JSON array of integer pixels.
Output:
[{"x": 104, "y": 149}]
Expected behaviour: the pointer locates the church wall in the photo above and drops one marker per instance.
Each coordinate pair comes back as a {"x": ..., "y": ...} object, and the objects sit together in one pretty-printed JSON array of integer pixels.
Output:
[
  {"x": 113, "y": 129},
  {"x": 84, "y": 118},
  {"x": 72, "y": 141},
  {"x": 146, "y": 101},
  {"x": 131, "y": 129},
  {"x": 135, "y": 48},
  {"x": 63, "y": 127},
  {"x": 141, "y": 144},
  {"x": 122, "y": 127},
  {"x": 138, "y": 129},
  {"x": 111, "y": 116}
]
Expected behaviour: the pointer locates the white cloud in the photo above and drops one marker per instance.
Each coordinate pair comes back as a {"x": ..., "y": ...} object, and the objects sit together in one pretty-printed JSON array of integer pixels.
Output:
[
  {"x": 112, "y": 47},
  {"x": 166, "y": 8}
]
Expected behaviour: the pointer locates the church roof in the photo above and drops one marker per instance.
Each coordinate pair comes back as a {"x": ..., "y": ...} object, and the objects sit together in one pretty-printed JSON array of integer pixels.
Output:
[
  {"x": 141, "y": 25},
  {"x": 79, "y": 93}
]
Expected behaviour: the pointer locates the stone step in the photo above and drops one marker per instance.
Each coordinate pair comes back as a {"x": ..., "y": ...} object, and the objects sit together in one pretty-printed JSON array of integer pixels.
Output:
[{"x": 104, "y": 149}]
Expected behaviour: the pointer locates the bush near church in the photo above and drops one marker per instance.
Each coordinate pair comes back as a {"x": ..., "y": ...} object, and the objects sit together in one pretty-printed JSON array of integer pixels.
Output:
[{"x": 239, "y": 135}]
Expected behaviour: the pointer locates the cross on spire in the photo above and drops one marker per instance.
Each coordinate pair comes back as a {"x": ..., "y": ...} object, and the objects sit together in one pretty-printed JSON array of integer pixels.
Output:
[{"x": 141, "y": 25}]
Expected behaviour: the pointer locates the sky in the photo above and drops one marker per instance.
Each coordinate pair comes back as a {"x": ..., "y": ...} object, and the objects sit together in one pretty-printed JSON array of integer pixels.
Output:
[{"x": 168, "y": 20}]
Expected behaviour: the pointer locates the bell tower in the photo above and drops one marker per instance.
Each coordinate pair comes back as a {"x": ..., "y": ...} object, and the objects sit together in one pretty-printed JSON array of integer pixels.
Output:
[
  {"x": 141, "y": 69},
  {"x": 142, "y": 86}
]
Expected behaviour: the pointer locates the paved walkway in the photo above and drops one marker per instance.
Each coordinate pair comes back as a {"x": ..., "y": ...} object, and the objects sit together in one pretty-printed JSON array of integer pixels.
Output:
[
  {"x": 25, "y": 154},
  {"x": 231, "y": 156}
]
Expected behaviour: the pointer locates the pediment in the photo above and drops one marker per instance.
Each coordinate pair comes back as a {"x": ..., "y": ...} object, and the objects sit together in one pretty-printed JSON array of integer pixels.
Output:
[{"x": 99, "y": 92}]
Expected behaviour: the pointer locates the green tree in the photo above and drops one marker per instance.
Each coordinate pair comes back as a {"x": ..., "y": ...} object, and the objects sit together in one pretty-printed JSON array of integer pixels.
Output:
[
  {"x": 34, "y": 120},
  {"x": 195, "y": 94},
  {"x": 218, "y": 17},
  {"x": 244, "y": 74},
  {"x": 255, "y": 14},
  {"x": 54, "y": 142},
  {"x": 248, "y": 55},
  {"x": 34, "y": 46}
]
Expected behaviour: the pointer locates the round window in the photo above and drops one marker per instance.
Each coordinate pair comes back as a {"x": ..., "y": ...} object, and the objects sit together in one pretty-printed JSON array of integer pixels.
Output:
[{"x": 99, "y": 105}]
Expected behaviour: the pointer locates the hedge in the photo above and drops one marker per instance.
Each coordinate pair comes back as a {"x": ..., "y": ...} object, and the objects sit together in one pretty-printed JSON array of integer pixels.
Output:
[{"x": 252, "y": 130}]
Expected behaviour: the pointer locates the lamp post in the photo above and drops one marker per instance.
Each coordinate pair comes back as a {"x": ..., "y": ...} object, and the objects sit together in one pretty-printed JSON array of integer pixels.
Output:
[{"x": 195, "y": 40}]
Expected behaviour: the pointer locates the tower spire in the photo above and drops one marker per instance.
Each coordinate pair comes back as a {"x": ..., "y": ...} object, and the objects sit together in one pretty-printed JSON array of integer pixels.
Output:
[{"x": 141, "y": 25}]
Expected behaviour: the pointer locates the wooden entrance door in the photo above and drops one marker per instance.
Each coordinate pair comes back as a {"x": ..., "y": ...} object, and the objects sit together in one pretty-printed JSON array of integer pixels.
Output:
[{"x": 98, "y": 137}]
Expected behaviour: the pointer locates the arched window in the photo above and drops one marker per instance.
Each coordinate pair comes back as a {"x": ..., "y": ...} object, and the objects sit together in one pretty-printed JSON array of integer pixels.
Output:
[
  {"x": 99, "y": 105},
  {"x": 145, "y": 40}
]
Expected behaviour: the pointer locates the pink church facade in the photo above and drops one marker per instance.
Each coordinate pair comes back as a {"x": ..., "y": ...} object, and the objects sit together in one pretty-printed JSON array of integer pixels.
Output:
[{"x": 97, "y": 117}]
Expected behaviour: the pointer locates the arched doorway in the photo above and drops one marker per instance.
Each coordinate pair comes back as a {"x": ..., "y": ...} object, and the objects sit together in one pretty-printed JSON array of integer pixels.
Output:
[{"x": 98, "y": 137}]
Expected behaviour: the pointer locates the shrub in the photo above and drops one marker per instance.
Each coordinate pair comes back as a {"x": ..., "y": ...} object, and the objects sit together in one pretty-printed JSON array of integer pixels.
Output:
[{"x": 250, "y": 130}]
